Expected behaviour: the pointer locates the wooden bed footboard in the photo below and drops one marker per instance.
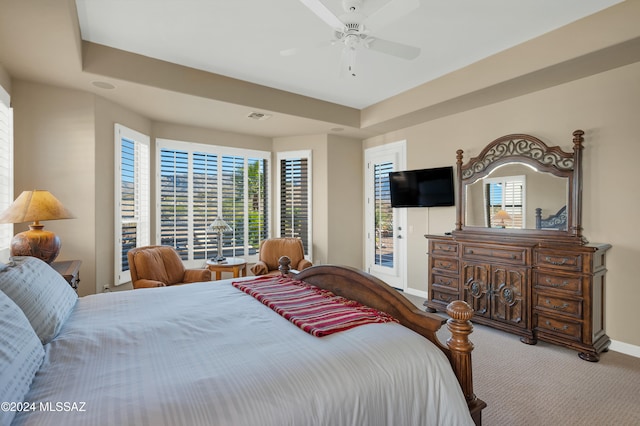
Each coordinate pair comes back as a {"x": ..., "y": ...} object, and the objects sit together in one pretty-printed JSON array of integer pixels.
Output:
[{"x": 357, "y": 285}]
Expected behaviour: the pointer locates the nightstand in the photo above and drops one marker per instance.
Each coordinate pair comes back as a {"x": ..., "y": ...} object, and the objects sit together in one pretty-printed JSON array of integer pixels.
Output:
[{"x": 70, "y": 271}]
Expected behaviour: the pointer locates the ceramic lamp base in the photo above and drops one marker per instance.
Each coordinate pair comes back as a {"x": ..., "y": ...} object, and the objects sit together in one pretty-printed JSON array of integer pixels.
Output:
[{"x": 36, "y": 242}]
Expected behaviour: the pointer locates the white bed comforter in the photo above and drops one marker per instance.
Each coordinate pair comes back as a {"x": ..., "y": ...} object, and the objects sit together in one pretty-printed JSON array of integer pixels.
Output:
[{"x": 209, "y": 354}]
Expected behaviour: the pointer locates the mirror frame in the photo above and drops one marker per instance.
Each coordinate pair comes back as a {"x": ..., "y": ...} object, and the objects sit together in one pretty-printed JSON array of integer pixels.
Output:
[{"x": 522, "y": 148}]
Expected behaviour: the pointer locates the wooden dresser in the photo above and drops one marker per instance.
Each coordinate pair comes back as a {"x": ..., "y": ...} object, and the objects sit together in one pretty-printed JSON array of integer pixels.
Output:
[
  {"x": 535, "y": 277},
  {"x": 554, "y": 294}
]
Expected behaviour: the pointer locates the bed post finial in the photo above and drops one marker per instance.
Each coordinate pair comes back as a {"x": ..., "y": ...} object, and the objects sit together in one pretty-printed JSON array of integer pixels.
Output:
[
  {"x": 460, "y": 327},
  {"x": 285, "y": 265}
]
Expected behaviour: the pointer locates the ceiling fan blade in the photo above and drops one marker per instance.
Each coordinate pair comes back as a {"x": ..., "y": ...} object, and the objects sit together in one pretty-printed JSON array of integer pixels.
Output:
[
  {"x": 390, "y": 12},
  {"x": 317, "y": 7},
  {"x": 399, "y": 50}
]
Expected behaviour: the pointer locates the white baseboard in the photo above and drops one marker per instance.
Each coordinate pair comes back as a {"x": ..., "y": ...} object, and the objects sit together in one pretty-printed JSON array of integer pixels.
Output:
[
  {"x": 625, "y": 348},
  {"x": 414, "y": 292}
]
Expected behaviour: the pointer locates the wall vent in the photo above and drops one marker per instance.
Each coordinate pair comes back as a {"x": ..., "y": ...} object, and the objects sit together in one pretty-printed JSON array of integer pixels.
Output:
[{"x": 259, "y": 116}]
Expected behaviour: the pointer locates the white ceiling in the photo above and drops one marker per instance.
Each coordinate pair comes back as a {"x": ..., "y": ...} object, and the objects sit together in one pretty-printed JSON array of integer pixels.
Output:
[{"x": 242, "y": 39}]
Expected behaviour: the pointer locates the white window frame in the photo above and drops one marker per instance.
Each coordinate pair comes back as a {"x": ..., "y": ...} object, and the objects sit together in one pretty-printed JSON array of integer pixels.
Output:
[
  {"x": 293, "y": 155},
  {"x": 504, "y": 180},
  {"x": 142, "y": 190},
  {"x": 6, "y": 170},
  {"x": 220, "y": 152}
]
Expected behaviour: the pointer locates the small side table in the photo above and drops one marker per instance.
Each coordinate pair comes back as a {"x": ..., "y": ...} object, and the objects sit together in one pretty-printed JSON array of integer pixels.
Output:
[
  {"x": 236, "y": 265},
  {"x": 70, "y": 271}
]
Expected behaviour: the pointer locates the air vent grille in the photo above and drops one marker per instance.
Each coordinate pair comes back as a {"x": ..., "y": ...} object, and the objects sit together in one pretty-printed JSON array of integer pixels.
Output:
[{"x": 259, "y": 116}]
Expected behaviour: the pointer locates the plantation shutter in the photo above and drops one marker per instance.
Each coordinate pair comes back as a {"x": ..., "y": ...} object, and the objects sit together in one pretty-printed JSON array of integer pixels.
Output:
[
  {"x": 383, "y": 215},
  {"x": 294, "y": 199},
  {"x": 205, "y": 204},
  {"x": 233, "y": 205},
  {"x": 506, "y": 194},
  {"x": 132, "y": 196},
  {"x": 257, "y": 209},
  {"x": 174, "y": 200},
  {"x": 6, "y": 169}
]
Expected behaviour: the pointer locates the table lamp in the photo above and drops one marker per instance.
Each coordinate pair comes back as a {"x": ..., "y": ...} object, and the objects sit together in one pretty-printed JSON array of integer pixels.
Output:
[
  {"x": 35, "y": 206},
  {"x": 219, "y": 226},
  {"x": 500, "y": 217}
]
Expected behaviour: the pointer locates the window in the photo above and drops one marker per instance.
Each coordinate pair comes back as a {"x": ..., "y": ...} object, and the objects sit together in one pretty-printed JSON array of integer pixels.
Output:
[
  {"x": 505, "y": 194},
  {"x": 132, "y": 189},
  {"x": 294, "y": 207},
  {"x": 383, "y": 215},
  {"x": 198, "y": 183},
  {"x": 6, "y": 169}
]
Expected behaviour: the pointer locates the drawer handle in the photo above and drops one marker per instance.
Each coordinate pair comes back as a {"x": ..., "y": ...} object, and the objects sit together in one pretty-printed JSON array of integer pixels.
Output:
[
  {"x": 564, "y": 328},
  {"x": 470, "y": 251},
  {"x": 446, "y": 299},
  {"x": 559, "y": 307},
  {"x": 556, "y": 285},
  {"x": 555, "y": 262},
  {"x": 444, "y": 265}
]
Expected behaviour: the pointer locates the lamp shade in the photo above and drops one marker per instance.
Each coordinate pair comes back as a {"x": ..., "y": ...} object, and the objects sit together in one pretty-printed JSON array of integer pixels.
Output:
[
  {"x": 501, "y": 215},
  {"x": 34, "y": 206},
  {"x": 219, "y": 225}
]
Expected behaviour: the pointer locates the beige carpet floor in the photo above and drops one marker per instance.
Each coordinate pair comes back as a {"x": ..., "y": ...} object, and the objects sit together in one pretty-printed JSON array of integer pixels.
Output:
[{"x": 545, "y": 384}]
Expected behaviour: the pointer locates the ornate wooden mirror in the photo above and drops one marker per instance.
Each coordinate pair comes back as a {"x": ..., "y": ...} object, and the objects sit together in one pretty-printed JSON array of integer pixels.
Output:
[{"x": 520, "y": 186}]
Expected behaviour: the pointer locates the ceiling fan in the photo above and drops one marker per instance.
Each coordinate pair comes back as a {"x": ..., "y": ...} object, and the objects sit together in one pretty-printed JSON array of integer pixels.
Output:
[{"x": 354, "y": 29}]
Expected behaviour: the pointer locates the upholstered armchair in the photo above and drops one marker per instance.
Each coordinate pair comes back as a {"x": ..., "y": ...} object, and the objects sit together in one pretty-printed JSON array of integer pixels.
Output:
[
  {"x": 160, "y": 266},
  {"x": 273, "y": 248}
]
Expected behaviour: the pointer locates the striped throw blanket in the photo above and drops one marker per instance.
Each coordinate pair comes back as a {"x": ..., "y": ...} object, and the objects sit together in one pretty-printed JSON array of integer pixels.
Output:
[{"x": 318, "y": 312}]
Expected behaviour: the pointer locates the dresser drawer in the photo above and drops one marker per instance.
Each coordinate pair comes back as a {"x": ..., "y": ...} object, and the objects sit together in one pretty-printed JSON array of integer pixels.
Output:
[
  {"x": 443, "y": 297},
  {"x": 558, "y": 260},
  {"x": 445, "y": 281},
  {"x": 445, "y": 264},
  {"x": 548, "y": 281},
  {"x": 447, "y": 248},
  {"x": 512, "y": 255},
  {"x": 566, "y": 328},
  {"x": 545, "y": 302}
]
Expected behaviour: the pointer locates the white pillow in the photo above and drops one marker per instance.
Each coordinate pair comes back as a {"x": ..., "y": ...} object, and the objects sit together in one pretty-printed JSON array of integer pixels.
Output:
[
  {"x": 44, "y": 295},
  {"x": 21, "y": 354}
]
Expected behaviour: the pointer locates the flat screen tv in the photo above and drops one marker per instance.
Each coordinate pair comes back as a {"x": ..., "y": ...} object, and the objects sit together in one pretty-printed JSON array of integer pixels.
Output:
[{"x": 422, "y": 188}]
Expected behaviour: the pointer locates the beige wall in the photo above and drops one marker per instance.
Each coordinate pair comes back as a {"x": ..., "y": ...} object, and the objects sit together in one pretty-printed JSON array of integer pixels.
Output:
[
  {"x": 606, "y": 107},
  {"x": 345, "y": 206},
  {"x": 54, "y": 143}
]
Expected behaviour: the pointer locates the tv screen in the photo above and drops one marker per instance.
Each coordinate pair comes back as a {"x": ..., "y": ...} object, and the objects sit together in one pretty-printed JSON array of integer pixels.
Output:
[{"x": 422, "y": 188}]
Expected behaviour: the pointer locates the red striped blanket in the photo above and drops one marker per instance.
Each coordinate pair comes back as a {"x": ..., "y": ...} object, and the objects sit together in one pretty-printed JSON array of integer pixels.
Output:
[{"x": 318, "y": 312}]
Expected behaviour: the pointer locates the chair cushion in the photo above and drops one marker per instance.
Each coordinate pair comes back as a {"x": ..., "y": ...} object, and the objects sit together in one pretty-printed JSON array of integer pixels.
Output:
[
  {"x": 273, "y": 249},
  {"x": 21, "y": 355},
  {"x": 159, "y": 264},
  {"x": 44, "y": 295}
]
